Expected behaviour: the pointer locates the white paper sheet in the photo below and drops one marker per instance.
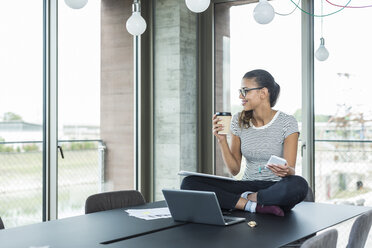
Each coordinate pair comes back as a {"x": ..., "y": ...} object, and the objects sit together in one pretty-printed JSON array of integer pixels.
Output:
[
  {"x": 190, "y": 173},
  {"x": 149, "y": 213}
]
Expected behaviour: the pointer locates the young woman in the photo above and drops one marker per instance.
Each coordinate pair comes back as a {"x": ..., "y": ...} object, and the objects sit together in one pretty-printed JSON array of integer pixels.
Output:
[{"x": 257, "y": 133}]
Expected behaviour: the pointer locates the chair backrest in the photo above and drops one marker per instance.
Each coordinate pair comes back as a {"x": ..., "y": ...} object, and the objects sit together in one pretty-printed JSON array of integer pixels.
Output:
[
  {"x": 359, "y": 230},
  {"x": 327, "y": 239},
  {"x": 112, "y": 200},
  {"x": 310, "y": 196},
  {"x": 1, "y": 224}
]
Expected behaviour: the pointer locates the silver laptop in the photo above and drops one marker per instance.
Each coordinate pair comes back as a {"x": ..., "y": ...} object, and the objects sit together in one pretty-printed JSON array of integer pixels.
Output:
[{"x": 197, "y": 206}]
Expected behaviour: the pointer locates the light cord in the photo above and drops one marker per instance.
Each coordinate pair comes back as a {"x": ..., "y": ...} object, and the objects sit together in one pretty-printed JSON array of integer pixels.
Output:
[
  {"x": 289, "y": 12},
  {"x": 321, "y": 19},
  {"x": 356, "y": 7},
  {"x": 343, "y": 7}
]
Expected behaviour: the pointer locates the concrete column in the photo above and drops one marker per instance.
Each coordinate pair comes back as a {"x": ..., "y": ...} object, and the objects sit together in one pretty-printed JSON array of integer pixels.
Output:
[
  {"x": 117, "y": 95},
  {"x": 222, "y": 82},
  {"x": 175, "y": 89}
]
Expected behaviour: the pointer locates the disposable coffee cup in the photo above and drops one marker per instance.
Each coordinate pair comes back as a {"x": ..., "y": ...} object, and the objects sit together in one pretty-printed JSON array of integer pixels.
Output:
[{"x": 225, "y": 121}]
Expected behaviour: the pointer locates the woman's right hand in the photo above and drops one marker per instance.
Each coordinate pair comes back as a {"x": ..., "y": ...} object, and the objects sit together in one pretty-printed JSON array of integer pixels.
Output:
[{"x": 218, "y": 127}]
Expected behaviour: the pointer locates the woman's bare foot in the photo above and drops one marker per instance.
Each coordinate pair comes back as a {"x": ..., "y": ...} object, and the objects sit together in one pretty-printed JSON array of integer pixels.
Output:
[
  {"x": 252, "y": 197},
  {"x": 241, "y": 203}
]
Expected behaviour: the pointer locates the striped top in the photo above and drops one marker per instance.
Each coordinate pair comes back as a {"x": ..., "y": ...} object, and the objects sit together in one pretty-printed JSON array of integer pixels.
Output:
[{"x": 257, "y": 144}]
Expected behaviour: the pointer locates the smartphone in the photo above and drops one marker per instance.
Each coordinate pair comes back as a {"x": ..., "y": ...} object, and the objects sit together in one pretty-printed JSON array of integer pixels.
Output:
[{"x": 276, "y": 160}]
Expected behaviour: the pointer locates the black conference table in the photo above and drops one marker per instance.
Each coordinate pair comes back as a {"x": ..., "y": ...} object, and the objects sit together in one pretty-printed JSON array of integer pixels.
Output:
[{"x": 114, "y": 229}]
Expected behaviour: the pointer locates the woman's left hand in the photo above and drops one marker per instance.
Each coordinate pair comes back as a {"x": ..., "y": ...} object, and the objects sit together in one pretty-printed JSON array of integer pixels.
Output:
[{"x": 279, "y": 170}]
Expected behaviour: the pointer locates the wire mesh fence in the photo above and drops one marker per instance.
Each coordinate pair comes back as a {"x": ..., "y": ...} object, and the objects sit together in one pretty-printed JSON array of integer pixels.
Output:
[
  {"x": 343, "y": 172},
  {"x": 20, "y": 186},
  {"x": 343, "y": 175},
  {"x": 80, "y": 174}
]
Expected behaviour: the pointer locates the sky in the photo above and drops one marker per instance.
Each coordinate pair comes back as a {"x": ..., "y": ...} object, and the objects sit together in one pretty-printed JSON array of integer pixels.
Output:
[
  {"x": 78, "y": 63},
  {"x": 274, "y": 47}
]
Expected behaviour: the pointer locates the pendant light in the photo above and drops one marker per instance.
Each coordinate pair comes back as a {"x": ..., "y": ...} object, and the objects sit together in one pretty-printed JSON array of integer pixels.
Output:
[
  {"x": 76, "y": 4},
  {"x": 197, "y": 6},
  {"x": 321, "y": 53},
  {"x": 136, "y": 25},
  {"x": 263, "y": 13}
]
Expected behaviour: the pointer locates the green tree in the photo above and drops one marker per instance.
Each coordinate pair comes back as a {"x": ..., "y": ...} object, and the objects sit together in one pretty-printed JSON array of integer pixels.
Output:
[
  {"x": 10, "y": 116},
  {"x": 76, "y": 146},
  {"x": 318, "y": 118},
  {"x": 30, "y": 148},
  {"x": 5, "y": 148}
]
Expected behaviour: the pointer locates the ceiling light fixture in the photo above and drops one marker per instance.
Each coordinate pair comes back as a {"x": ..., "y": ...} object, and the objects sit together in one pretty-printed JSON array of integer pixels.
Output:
[
  {"x": 263, "y": 13},
  {"x": 136, "y": 25},
  {"x": 321, "y": 53},
  {"x": 76, "y": 4},
  {"x": 197, "y": 6}
]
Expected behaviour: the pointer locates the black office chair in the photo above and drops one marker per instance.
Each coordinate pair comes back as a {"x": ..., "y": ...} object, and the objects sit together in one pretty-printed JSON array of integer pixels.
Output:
[
  {"x": 112, "y": 200},
  {"x": 1, "y": 224},
  {"x": 327, "y": 239},
  {"x": 359, "y": 230}
]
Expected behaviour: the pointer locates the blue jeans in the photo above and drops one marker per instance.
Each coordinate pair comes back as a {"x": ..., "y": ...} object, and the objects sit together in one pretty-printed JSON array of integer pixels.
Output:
[{"x": 285, "y": 193}]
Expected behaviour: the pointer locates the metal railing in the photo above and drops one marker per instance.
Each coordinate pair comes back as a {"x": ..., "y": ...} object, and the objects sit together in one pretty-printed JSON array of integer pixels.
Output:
[
  {"x": 343, "y": 175},
  {"x": 80, "y": 174}
]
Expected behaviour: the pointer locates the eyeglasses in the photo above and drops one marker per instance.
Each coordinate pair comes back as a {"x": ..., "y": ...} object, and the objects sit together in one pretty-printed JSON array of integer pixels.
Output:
[{"x": 244, "y": 91}]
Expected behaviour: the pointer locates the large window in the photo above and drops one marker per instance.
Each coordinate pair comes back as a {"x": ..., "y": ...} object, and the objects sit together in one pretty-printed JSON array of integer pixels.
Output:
[
  {"x": 343, "y": 117},
  {"x": 243, "y": 45},
  {"x": 343, "y": 108},
  {"x": 80, "y": 172},
  {"x": 21, "y": 111}
]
